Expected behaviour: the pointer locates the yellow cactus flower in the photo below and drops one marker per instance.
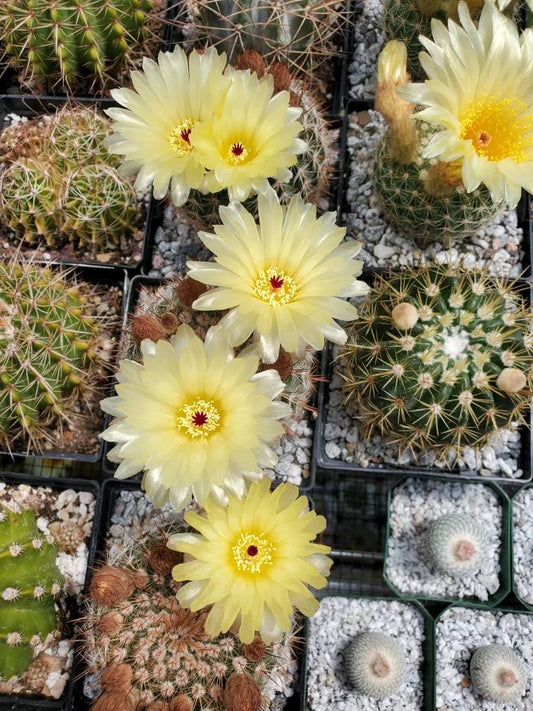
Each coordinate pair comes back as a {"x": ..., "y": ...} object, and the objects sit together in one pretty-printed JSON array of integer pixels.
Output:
[
  {"x": 281, "y": 277},
  {"x": 479, "y": 92},
  {"x": 252, "y": 138},
  {"x": 197, "y": 419},
  {"x": 253, "y": 561},
  {"x": 172, "y": 99}
]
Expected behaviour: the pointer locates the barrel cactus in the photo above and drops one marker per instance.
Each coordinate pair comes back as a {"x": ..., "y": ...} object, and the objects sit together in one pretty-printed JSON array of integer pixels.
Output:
[
  {"x": 146, "y": 649},
  {"x": 374, "y": 664},
  {"x": 439, "y": 358},
  {"x": 29, "y": 579},
  {"x": 57, "y": 41},
  {"x": 498, "y": 674},
  {"x": 455, "y": 544},
  {"x": 48, "y": 348},
  {"x": 298, "y": 32}
]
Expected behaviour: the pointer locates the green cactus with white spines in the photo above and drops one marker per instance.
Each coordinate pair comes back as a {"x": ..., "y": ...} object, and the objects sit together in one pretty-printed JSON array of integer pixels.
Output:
[
  {"x": 48, "y": 350},
  {"x": 299, "y": 33},
  {"x": 374, "y": 664},
  {"x": 454, "y": 544},
  {"x": 29, "y": 579},
  {"x": 439, "y": 358},
  {"x": 67, "y": 189},
  {"x": 62, "y": 42},
  {"x": 99, "y": 207},
  {"x": 498, "y": 674}
]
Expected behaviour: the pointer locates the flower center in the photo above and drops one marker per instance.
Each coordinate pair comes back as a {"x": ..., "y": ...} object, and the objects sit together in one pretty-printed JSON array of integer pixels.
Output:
[
  {"x": 251, "y": 552},
  {"x": 179, "y": 138},
  {"x": 275, "y": 286},
  {"x": 498, "y": 128},
  {"x": 199, "y": 419},
  {"x": 237, "y": 153}
]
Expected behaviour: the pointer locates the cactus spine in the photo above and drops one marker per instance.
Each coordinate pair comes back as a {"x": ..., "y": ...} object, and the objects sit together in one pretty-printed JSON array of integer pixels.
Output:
[
  {"x": 374, "y": 664},
  {"x": 498, "y": 674},
  {"x": 439, "y": 358},
  {"x": 61, "y": 41},
  {"x": 29, "y": 579},
  {"x": 299, "y": 33},
  {"x": 47, "y": 348},
  {"x": 455, "y": 545}
]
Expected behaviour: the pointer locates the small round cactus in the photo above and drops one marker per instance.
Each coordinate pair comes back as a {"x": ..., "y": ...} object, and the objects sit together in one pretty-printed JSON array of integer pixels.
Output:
[
  {"x": 48, "y": 349},
  {"x": 374, "y": 664},
  {"x": 29, "y": 579},
  {"x": 77, "y": 135},
  {"x": 439, "y": 358},
  {"x": 498, "y": 674},
  {"x": 455, "y": 544}
]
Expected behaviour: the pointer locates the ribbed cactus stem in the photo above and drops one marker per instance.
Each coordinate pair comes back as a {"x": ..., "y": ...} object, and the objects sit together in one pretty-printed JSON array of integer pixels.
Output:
[{"x": 29, "y": 579}]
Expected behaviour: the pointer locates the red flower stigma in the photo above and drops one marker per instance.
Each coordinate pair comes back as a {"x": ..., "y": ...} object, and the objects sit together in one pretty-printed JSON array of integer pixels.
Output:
[
  {"x": 199, "y": 419},
  {"x": 252, "y": 551},
  {"x": 276, "y": 282},
  {"x": 185, "y": 135},
  {"x": 237, "y": 149}
]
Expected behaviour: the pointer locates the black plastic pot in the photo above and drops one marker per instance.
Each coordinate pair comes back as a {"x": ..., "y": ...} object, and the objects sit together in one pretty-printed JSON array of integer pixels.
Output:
[
  {"x": 31, "y": 106},
  {"x": 100, "y": 276},
  {"x": 23, "y": 703}
]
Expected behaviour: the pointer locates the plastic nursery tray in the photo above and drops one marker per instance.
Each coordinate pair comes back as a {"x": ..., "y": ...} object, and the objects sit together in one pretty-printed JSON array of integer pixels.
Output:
[
  {"x": 24, "y": 703},
  {"x": 527, "y": 605},
  {"x": 505, "y": 554},
  {"x": 99, "y": 276},
  {"x": 37, "y": 105},
  {"x": 428, "y": 670},
  {"x": 137, "y": 283},
  {"x": 507, "y": 608}
]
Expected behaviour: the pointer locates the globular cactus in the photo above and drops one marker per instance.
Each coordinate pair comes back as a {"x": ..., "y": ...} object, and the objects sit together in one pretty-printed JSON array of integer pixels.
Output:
[
  {"x": 58, "y": 41},
  {"x": 160, "y": 311},
  {"x": 498, "y": 674},
  {"x": 29, "y": 579},
  {"x": 314, "y": 166},
  {"x": 374, "y": 664},
  {"x": 66, "y": 188},
  {"x": 146, "y": 647},
  {"x": 454, "y": 544},
  {"x": 439, "y": 358},
  {"x": 48, "y": 348},
  {"x": 300, "y": 33},
  {"x": 98, "y": 207},
  {"x": 423, "y": 197}
]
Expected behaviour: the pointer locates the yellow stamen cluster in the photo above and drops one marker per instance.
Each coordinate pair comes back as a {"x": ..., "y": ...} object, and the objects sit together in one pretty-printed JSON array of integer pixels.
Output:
[
  {"x": 198, "y": 419},
  {"x": 179, "y": 138},
  {"x": 238, "y": 153},
  {"x": 497, "y": 127},
  {"x": 252, "y": 552},
  {"x": 275, "y": 286}
]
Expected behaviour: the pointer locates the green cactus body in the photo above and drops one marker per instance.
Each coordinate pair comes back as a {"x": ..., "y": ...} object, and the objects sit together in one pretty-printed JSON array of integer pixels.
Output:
[
  {"x": 374, "y": 664},
  {"x": 406, "y": 204},
  {"x": 298, "y": 32},
  {"x": 498, "y": 674},
  {"x": 47, "y": 347},
  {"x": 99, "y": 207},
  {"x": 439, "y": 358},
  {"x": 61, "y": 40},
  {"x": 29, "y": 579},
  {"x": 455, "y": 544},
  {"x": 77, "y": 137}
]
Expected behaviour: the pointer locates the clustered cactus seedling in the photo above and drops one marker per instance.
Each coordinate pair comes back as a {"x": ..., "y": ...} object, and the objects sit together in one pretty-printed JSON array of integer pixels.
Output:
[
  {"x": 439, "y": 358},
  {"x": 148, "y": 649},
  {"x": 48, "y": 349},
  {"x": 454, "y": 544},
  {"x": 64, "y": 187},
  {"x": 61, "y": 42},
  {"x": 298, "y": 32},
  {"x": 374, "y": 664},
  {"x": 423, "y": 197},
  {"x": 498, "y": 674},
  {"x": 314, "y": 167},
  {"x": 29, "y": 579}
]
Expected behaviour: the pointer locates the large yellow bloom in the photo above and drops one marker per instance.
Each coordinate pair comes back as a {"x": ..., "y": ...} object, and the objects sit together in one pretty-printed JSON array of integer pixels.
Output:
[
  {"x": 194, "y": 417},
  {"x": 281, "y": 278},
  {"x": 480, "y": 91},
  {"x": 172, "y": 98},
  {"x": 252, "y": 138},
  {"x": 253, "y": 561}
]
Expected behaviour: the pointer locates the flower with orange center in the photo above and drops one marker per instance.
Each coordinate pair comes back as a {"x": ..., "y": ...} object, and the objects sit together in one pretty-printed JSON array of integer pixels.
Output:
[
  {"x": 479, "y": 92},
  {"x": 253, "y": 561},
  {"x": 172, "y": 98},
  {"x": 195, "y": 418},
  {"x": 283, "y": 278},
  {"x": 251, "y": 138}
]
